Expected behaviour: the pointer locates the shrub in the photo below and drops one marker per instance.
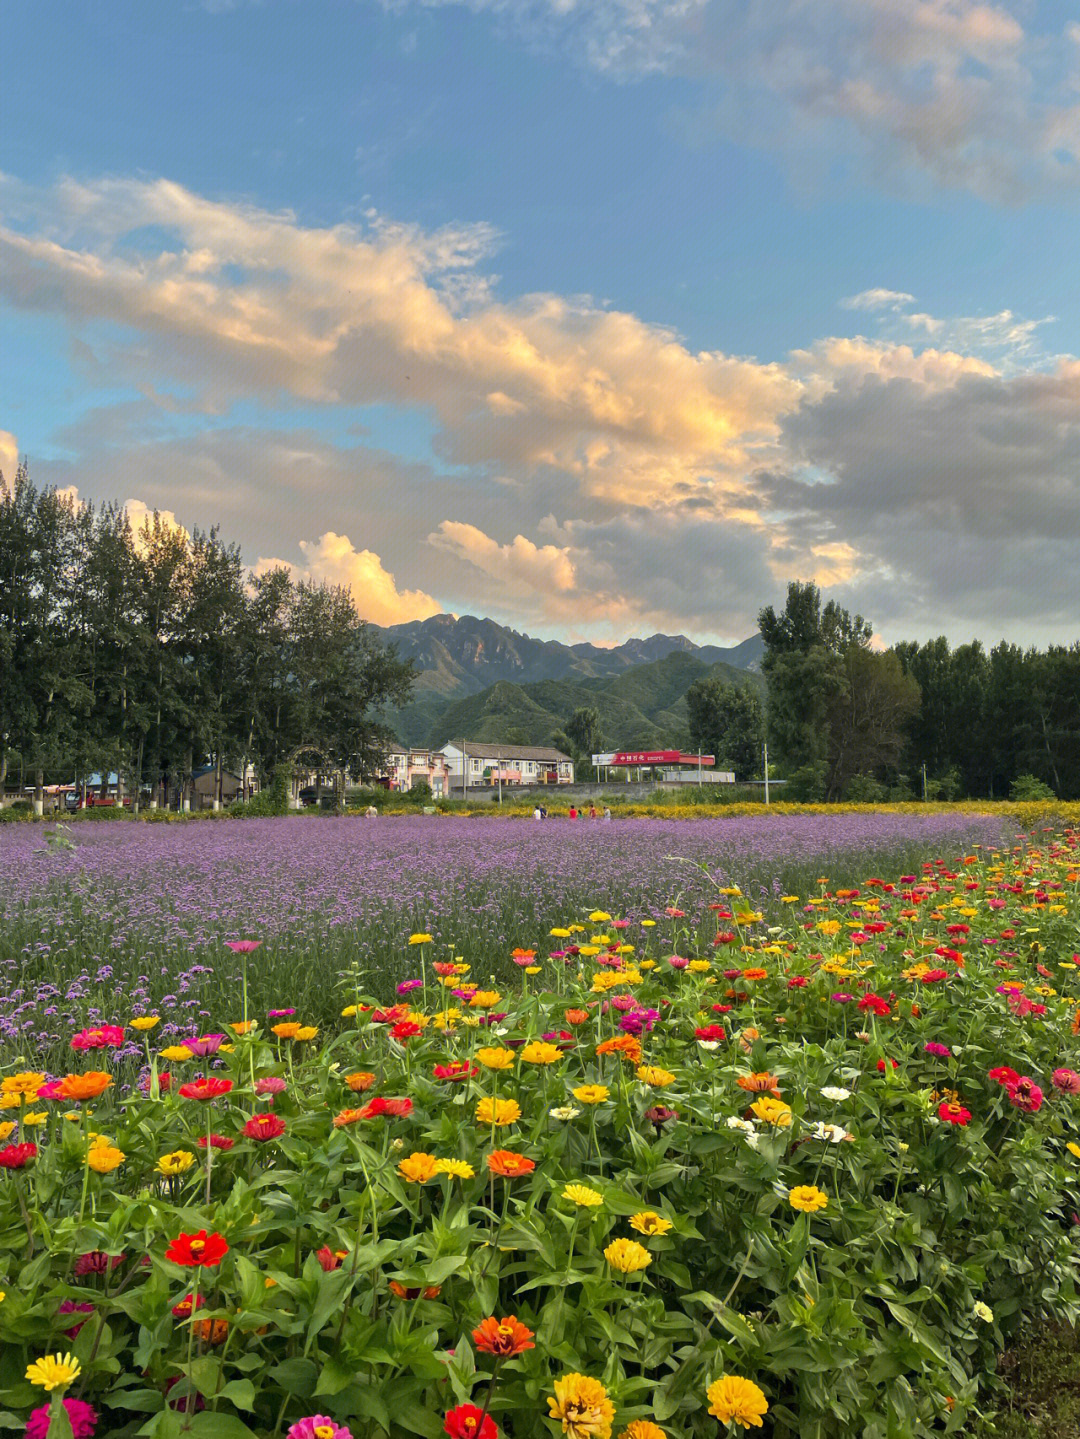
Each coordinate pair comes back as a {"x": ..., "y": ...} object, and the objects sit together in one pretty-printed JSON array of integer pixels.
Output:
[{"x": 1029, "y": 787}]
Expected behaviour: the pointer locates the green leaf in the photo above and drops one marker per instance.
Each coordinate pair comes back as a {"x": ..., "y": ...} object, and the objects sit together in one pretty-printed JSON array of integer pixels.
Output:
[
  {"x": 240, "y": 1392},
  {"x": 220, "y": 1426},
  {"x": 60, "y": 1424}
]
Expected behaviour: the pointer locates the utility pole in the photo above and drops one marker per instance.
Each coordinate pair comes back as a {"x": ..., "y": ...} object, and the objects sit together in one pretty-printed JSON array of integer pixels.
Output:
[
  {"x": 699, "y": 768},
  {"x": 765, "y": 750},
  {"x": 924, "y": 781},
  {"x": 499, "y": 771}
]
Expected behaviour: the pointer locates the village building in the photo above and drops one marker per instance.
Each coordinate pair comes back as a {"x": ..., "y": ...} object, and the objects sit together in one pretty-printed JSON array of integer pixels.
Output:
[
  {"x": 407, "y": 768},
  {"x": 472, "y": 764}
]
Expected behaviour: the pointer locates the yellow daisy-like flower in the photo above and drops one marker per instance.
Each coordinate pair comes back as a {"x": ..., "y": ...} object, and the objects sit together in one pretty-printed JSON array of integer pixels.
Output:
[
  {"x": 699, "y": 966},
  {"x": 53, "y": 1371},
  {"x": 25, "y": 1084},
  {"x": 495, "y": 1057},
  {"x": 104, "y": 1158},
  {"x": 647, "y": 1221},
  {"x": 178, "y": 1162},
  {"x": 648, "y": 924},
  {"x": 540, "y": 1053},
  {"x": 605, "y": 980},
  {"x": 789, "y": 899},
  {"x": 646, "y": 964},
  {"x": 642, "y": 1429},
  {"x": 485, "y": 999},
  {"x": 599, "y": 916},
  {"x": 39, "y": 1116},
  {"x": 349, "y": 1012},
  {"x": 146, "y": 1022},
  {"x": 1074, "y": 1149},
  {"x": 418, "y": 1168},
  {"x": 584, "y": 1196},
  {"x": 7, "y": 1129},
  {"x": 627, "y": 1256},
  {"x": 176, "y": 1053},
  {"x": 559, "y": 933},
  {"x": 244, "y": 1026},
  {"x": 737, "y": 1401},
  {"x": 446, "y": 1018},
  {"x": 306, "y": 1031},
  {"x": 419, "y": 938},
  {"x": 654, "y": 1075},
  {"x": 772, "y": 1111},
  {"x": 591, "y": 1093},
  {"x": 828, "y": 926},
  {"x": 807, "y": 1198},
  {"x": 581, "y": 1405},
  {"x": 533, "y": 969},
  {"x": 498, "y": 1111},
  {"x": 589, "y": 949},
  {"x": 456, "y": 1168}
]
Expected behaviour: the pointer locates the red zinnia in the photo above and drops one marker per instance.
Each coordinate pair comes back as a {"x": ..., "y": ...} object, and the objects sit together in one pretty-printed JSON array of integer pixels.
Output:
[
  {"x": 208, "y": 1088},
  {"x": 874, "y": 1002},
  {"x": 406, "y": 1029},
  {"x": 882, "y": 1063},
  {"x": 709, "y": 1031},
  {"x": 396, "y": 1108},
  {"x": 17, "y": 1156},
  {"x": 264, "y": 1126},
  {"x": 202, "y": 1249},
  {"x": 217, "y": 1141},
  {"x": 468, "y": 1422},
  {"x": 183, "y": 1309},
  {"x": 458, "y": 1069},
  {"x": 1004, "y": 1075},
  {"x": 954, "y": 1113}
]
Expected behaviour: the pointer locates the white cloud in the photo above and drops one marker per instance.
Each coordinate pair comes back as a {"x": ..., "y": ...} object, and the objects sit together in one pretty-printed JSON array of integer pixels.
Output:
[
  {"x": 334, "y": 559},
  {"x": 877, "y": 300},
  {"x": 9, "y": 456}
]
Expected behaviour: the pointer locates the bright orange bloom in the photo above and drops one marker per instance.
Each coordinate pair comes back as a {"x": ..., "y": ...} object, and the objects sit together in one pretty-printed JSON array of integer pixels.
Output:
[
  {"x": 288, "y": 1030},
  {"x": 212, "y": 1331},
  {"x": 577, "y": 1016},
  {"x": 504, "y": 1337},
  {"x": 431, "y": 1292},
  {"x": 360, "y": 1081},
  {"x": 244, "y": 1026},
  {"x": 755, "y": 974},
  {"x": 628, "y": 1045},
  {"x": 506, "y": 1163},
  {"x": 348, "y": 1116},
  {"x": 764, "y": 1083},
  {"x": 84, "y": 1086}
]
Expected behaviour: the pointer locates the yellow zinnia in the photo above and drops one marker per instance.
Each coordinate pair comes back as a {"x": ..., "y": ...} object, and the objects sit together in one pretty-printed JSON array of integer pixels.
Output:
[
  {"x": 178, "y": 1162},
  {"x": 540, "y": 1053},
  {"x": 456, "y": 1168},
  {"x": 419, "y": 1168},
  {"x": 495, "y": 1057},
  {"x": 654, "y": 1075},
  {"x": 584, "y": 1196},
  {"x": 146, "y": 1022},
  {"x": 7, "y": 1129},
  {"x": 591, "y": 1093},
  {"x": 27, "y": 1083},
  {"x": 772, "y": 1111},
  {"x": 737, "y": 1401},
  {"x": 627, "y": 1256},
  {"x": 642, "y": 1429},
  {"x": 581, "y": 1405},
  {"x": 807, "y": 1197},
  {"x": 175, "y": 1053},
  {"x": 104, "y": 1158},
  {"x": 53, "y": 1371},
  {"x": 498, "y": 1111},
  {"x": 647, "y": 1221},
  {"x": 419, "y": 938}
]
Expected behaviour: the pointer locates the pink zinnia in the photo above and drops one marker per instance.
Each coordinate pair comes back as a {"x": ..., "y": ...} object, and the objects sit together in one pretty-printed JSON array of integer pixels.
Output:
[
  {"x": 677, "y": 961},
  {"x": 941, "y": 1050},
  {"x": 81, "y": 1416},
  {"x": 96, "y": 1262},
  {"x": 108, "y": 1036},
  {"x": 70, "y": 1307},
  {"x": 1067, "y": 1080},
  {"x": 269, "y": 1084},
  {"x": 318, "y": 1426},
  {"x": 203, "y": 1045},
  {"x": 242, "y": 946},
  {"x": 1025, "y": 1094}
]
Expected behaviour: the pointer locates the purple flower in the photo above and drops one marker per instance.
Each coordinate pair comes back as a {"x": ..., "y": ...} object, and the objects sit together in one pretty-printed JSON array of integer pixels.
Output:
[
  {"x": 408, "y": 985},
  {"x": 842, "y": 998}
]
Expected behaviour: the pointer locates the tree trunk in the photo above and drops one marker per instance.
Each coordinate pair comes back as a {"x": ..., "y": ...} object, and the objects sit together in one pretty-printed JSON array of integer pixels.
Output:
[
  {"x": 137, "y": 777},
  {"x": 39, "y": 794}
]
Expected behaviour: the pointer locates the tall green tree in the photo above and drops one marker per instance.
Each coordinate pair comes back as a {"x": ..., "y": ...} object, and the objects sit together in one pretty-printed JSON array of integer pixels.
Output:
[{"x": 728, "y": 721}]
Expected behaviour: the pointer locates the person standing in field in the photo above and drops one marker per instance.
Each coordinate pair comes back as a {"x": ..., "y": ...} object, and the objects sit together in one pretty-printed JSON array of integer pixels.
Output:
[
  {"x": 607, "y": 814},
  {"x": 573, "y": 812},
  {"x": 592, "y": 812},
  {"x": 536, "y": 812}
]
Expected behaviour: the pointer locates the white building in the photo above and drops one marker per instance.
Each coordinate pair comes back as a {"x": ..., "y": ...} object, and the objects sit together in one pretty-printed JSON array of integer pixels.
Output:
[
  {"x": 487, "y": 764},
  {"x": 404, "y": 768}
]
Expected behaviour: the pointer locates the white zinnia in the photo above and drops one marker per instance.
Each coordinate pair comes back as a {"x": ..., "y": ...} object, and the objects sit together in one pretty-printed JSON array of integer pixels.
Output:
[{"x": 832, "y": 1091}]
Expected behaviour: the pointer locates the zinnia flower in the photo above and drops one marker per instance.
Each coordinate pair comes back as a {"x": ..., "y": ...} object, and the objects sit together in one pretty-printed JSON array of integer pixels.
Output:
[
  {"x": 360, "y": 1081},
  {"x": 647, "y": 1221},
  {"x": 1025, "y": 1094},
  {"x": 495, "y": 1058},
  {"x": 109, "y": 1036},
  {"x": 178, "y": 1162},
  {"x": 940, "y": 1051},
  {"x": 84, "y": 1086},
  {"x": 1067, "y": 1080},
  {"x": 104, "y": 1158},
  {"x": 468, "y": 1422},
  {"x": 581, "y": 1405},
  {"x": 209, "y": 1088},
  {"x": 772, "y": 1111},
  {"x": 318, "y": 1426},
  {"x": 201, "y": 1249},
  {"x": 807, "y": 1198},
  {"x": 459, "y": 1069},
  {"x": 539, "y": 1053},
  {"x": 217, "y": 1141},
  {"x": 653, "y": 1075},
  {"x": 456, "y": 1168},
  {"x": 627, "y": 1256},
  {"x": 503, "y": 1337},
  {"x": 591, "y": 1093},
  {"x": 583, "y": 1196},
  {"x": 498, "y": 1111},
  {"x": 53, "y": 1371},
  {"x": 262, "y": 1127},
  {"x": 737, "y": 1401},
  {"x": 81, "y": 1416},
  {"x": 17, "y": 1156},
  {"x": 418, "y": 1168},
  {"x": 509, "y": 1165},
  {"x": 953, "y": 1113}
]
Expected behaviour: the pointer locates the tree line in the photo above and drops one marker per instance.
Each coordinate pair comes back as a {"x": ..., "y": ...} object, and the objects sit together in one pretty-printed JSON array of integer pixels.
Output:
[{"x": 154, "y": 653}]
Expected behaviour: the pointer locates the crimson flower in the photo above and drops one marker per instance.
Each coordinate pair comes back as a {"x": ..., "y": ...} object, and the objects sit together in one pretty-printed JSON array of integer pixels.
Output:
[
  {"x": 1025, "y": 1094},
  {"x": 395, "y": 1108},
  {"x": 108, "y": 1036},
  {"x": 1004, "y": 1075},
  {"x": 709, "y": 1031},
  {"x": 17, "y": 1156},
  {"x": 954, "y": 1113},
  {"x": 217, "y": 1141},
  {"x": 264, "y": 1126},
  {"x": 883, "y": 1062},
  {"x": 200, "y": 1250},
  {"x": 184, "y": 1308},
  {"x": 468, "y": 1422},
  {"x": 457, "y": 1069},
  {"x": 406, "y": 1029},
  {"x": 208, "y": 1088}
]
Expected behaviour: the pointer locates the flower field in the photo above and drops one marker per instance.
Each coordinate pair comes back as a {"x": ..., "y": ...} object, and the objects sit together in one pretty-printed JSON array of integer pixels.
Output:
[
  {"x": 92, "y": 909},
  {"x": 702, "y": 1168}
]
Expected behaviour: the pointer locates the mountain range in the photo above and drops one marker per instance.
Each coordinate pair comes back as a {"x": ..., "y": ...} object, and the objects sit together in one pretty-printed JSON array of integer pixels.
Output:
[{"x": 483, "y": 681}]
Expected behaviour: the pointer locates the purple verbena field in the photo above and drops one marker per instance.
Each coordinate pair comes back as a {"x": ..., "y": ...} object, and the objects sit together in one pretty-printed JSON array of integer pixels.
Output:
[{"x": 123, "y": 918}]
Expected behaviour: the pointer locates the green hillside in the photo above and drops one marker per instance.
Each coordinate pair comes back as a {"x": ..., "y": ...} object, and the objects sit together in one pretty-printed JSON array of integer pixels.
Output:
[{"x": 642, "y": 707}]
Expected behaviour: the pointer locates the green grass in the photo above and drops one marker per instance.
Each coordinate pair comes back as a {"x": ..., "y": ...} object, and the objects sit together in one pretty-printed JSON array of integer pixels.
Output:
[{"x": 1042, "y": 1379}]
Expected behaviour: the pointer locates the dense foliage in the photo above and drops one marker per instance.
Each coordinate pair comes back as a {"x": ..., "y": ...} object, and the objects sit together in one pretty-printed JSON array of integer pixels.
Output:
[
  {"x": 678, "y": 1176},
  {"x": 152, "y": 653}
]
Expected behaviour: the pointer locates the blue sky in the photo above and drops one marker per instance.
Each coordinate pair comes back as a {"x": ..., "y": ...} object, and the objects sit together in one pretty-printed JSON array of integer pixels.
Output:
[{"x": 598, "y": 318}]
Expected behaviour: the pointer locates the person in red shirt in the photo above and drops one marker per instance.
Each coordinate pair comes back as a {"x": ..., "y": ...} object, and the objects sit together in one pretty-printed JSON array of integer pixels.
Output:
[{"x": 573, "y": 812}]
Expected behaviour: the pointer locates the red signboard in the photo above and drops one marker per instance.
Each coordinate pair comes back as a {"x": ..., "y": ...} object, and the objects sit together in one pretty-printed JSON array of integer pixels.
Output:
[{"x": 660, "y": 756}]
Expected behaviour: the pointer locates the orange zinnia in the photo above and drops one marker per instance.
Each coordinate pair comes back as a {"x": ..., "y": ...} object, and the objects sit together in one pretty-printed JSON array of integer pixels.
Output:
[
  {"x": 508, "y": 1164},
  {"x": 212, "y": 1331},
  {"x": 360, "y": 1081},
  {"x": 755, "y": 974},
  {"x": 503, "y": 1337},
  {"x": 348, "y": 1116},
  {"x": 576, "y": 1016},
  {"x": 759, "y": 1083},
  {"x": 84, "y": 1086},
  {"x": 625, "y": 1044},
  {"x": 431, "y": 1291}
]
